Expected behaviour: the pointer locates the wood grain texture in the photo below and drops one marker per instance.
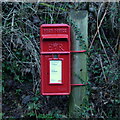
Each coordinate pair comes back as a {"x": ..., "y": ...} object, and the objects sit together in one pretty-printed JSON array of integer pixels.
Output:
[{"x": 79, "y": 60}]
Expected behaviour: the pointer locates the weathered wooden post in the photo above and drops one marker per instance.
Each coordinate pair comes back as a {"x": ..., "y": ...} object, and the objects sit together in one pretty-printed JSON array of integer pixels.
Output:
[{"x": 79, "y": 31}]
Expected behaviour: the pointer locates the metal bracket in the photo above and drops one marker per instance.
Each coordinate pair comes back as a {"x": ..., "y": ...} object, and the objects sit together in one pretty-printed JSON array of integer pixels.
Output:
[
  {"x": 81, "y": 51},
  {"x": 79, "y": 84}
]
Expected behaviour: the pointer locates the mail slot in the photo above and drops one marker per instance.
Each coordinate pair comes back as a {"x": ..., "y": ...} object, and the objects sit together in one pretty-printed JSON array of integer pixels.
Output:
[{"x": 55, "y": 59}]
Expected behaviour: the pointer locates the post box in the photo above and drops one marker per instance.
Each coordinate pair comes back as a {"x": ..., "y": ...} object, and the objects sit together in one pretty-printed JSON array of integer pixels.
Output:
[{"x": 55, "y": 59}]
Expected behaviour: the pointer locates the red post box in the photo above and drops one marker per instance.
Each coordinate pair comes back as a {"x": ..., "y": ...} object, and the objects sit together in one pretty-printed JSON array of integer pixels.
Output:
[{"x": 55, "y": 59}]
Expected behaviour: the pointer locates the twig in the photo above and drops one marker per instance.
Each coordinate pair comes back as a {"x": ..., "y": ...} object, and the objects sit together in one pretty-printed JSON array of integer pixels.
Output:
[
  {"x": 58, "y": 11},
  {"x": 51, "y": 18},
  {"x": 117, "y": 42},
  {"x": 99, "y": 15},
  {"x": 102, "y": 68},
  {"x": 93, "y": 62},
  {"x": 104, "y": 47},
  {"x": 35, "y": 54},
  {"x": 51, "y": 6},
  {"x": 12, "y": 28},
  {"x": 36, "y": 114},
  {"x": 98, "y": 28},
  {"x": 8, "y": 16},
  {"x": 107, "y": 40},
  {"x": 12, "y": 53}
]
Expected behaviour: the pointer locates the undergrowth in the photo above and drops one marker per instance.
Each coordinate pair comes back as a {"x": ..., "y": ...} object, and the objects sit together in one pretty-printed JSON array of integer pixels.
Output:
[{"x": 21, "y": 59}]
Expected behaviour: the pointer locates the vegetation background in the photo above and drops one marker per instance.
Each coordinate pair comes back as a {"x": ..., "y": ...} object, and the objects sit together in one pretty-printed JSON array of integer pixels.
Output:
[{"x": 21, "y": 59}]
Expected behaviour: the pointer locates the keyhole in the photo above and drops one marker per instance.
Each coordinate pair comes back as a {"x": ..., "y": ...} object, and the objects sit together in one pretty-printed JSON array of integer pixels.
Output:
[{"x": 55, "y": 56}]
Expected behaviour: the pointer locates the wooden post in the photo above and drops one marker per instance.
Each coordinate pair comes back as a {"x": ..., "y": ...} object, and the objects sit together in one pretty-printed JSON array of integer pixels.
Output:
[{"x": 79, "y": 31}]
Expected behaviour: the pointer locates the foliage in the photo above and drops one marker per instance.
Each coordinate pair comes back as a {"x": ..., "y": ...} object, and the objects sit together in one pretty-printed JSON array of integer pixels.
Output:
[{"x": 21, "y": 66}]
